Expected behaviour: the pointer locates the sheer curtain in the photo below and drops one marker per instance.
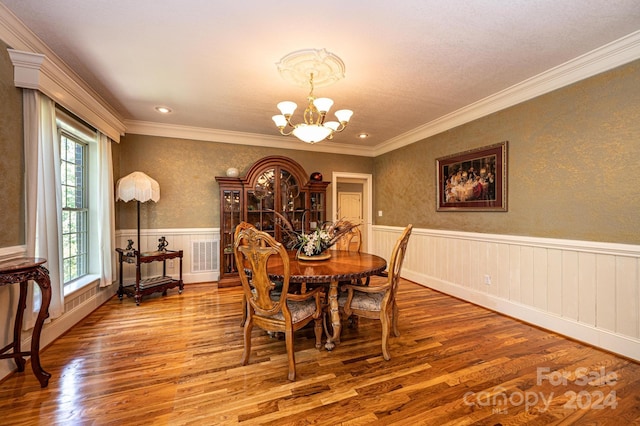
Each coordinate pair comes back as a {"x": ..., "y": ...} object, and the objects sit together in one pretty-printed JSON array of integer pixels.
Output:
[
  {"x": 106, "y": 214},
  {"x": 43, "y": 196}
]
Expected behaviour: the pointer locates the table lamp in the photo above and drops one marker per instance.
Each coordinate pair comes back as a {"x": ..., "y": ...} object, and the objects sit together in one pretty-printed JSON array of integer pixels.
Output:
[{"x": 140, "y": 187}]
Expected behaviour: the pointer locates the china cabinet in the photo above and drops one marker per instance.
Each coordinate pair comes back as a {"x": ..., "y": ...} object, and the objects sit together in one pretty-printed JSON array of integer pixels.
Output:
[{"x": 274, "y": 190}]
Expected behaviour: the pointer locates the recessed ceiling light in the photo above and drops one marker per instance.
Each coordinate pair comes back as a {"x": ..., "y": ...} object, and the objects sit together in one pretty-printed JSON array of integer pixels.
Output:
[
  {"x": 363, "y": 135},
  {"x": 163, "y": 109}
]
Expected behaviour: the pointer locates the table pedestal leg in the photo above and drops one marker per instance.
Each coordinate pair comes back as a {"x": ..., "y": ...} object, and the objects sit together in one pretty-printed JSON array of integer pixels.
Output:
[{"x": 334, "y": 314}]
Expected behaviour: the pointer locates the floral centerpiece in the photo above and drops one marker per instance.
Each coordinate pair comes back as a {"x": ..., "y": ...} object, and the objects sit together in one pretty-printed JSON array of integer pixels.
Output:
[{"x": 314, "y": 245}]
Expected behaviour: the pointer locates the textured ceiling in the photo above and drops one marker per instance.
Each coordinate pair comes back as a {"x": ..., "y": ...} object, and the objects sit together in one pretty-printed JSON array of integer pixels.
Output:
[{"x": 408, "y": 63}]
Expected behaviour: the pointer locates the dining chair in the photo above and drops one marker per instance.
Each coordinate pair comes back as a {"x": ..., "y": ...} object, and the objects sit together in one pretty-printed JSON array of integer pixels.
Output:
[
  {"x": 350, "y": 241},
  {"x": 271, "y": 310},
  {"x": 241, "y": 226},
  {"x": 378, "y": 299}
]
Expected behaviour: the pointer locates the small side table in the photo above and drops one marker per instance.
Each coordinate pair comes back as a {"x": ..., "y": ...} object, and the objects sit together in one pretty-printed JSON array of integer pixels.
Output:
[
  {"x": 21, "y": 271},
  {"x": 142, "y": 287}
]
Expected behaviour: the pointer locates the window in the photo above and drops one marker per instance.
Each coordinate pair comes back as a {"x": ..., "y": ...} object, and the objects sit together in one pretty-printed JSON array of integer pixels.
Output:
[
  {"x": 73, "y": 161},
  {"x": 78, "y": 180}
]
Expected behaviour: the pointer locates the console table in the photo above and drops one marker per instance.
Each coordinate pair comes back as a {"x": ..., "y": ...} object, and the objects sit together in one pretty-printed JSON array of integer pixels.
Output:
[
  {"x": 20, "y": 271},
  {"x": 142, "y": 287}
]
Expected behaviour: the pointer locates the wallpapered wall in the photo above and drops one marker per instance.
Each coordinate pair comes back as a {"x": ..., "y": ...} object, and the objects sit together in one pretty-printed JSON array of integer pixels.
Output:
[
  {"x": 11, "y": 156},
  {"x": 574, "y": 166},
  {"x": 186, "y": 171}
]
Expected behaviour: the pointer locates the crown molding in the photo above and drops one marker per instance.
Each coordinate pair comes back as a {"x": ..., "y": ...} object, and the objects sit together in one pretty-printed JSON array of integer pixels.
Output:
[
  {"x": 38, "y": 67},
  {"x": 241, "y": 138},
  {"x": 64, "y": 86},
  {"x": 609, "y": 56}
]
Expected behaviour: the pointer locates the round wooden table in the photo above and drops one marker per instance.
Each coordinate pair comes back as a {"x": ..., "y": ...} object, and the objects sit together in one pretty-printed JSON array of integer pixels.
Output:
[
  {"x": 20, "y": 271},
  {"x": 341, "y": 266}
]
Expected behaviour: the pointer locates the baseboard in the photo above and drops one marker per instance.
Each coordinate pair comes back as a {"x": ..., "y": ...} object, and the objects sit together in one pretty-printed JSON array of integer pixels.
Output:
[
  {"x": 603, "y": 339},
  {"x": 200, "y": 277}
]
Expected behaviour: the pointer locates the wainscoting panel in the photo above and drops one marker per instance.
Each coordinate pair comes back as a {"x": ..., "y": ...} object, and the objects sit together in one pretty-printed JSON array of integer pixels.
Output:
[
  {"x": 589, "y": 291},
  {"x": 204, "y": 267}
]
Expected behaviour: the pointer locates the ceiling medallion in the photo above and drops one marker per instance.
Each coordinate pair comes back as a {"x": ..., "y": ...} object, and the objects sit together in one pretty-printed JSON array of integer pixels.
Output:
[
  {"x": 326, "y": 67},
  {"x": 313, "y": 67}
]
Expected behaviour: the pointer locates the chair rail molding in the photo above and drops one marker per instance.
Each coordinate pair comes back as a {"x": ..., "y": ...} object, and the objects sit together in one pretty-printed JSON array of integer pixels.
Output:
[{"x": 179, "y": 239}]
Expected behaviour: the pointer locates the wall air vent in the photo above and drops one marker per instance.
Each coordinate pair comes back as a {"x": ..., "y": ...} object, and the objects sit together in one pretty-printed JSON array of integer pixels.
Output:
[{"x": 204, "y": 256}]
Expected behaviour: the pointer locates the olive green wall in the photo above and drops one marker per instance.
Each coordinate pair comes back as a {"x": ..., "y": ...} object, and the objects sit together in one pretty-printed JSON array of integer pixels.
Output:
[
  {"x": 574, "y": 166},
  {"x": 12, "y": 213},
  {"x": 186, "y": 171}
]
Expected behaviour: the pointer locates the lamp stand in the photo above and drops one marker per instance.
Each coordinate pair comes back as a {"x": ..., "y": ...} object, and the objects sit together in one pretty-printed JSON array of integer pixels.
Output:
[{"x": 139, "y": 246}]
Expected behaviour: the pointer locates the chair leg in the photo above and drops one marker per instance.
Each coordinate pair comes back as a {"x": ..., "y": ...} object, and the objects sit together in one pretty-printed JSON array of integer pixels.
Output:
[
  {"x": 248, "y": 325},
  {"x": 244, "y": 311},
  {"x": 318, "y": 330},
  {"x": 354, "y": 320},
  {"x": 394, "y": 320},
  {"x": 385, "y": 320},
  {"x": 288, "y": 337}
]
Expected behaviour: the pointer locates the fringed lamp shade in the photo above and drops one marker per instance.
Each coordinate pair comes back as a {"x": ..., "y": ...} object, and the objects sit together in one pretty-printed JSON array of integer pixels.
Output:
[{"x": 139, "y": 187}]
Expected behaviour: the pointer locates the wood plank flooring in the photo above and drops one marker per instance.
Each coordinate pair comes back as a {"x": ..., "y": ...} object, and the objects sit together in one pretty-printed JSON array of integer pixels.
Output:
[{"x": 175, "y": 360}]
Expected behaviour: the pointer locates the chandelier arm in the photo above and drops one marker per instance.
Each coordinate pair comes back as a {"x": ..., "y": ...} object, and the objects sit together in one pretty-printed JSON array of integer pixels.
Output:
[
  {"x": 340, "y": 128},
  {"x": 289, "y": 123},
  {"x": 283, "y": 133}
]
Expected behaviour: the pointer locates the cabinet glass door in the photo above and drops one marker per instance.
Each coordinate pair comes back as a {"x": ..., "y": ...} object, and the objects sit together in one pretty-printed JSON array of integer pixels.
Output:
[
  {"x": 232, "y": 214},
  {"x": 292, "y": 199},
  {"x": 260, "y": 203},
  {"x": 316, "y": 214}
]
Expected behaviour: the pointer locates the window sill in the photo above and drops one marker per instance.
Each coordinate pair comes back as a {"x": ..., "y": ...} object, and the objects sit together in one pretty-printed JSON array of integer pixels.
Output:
[{"x": 80, "y": 283}]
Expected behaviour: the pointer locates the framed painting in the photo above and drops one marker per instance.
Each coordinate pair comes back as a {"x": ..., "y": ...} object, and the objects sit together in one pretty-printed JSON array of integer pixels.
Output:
[{"x": 474, "y": 180}]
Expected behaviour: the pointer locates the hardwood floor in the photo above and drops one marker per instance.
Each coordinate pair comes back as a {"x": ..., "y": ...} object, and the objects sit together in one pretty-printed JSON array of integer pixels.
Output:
[{"x": 175, "y": 360}]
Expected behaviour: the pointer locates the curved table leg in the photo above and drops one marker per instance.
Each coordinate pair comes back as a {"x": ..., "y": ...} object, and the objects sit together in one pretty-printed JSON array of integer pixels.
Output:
[
  {"x": 335, "y": 316},
  {"x": 43, "y": 281},
  {"x": 17, "y": 327}
]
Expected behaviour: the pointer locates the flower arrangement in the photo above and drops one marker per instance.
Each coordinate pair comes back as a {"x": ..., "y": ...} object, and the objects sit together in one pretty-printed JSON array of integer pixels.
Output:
[
  {"x": 323, "y": 237},
  {"x": 314, "y": 243},
  {"x": 320, "y": 239}
]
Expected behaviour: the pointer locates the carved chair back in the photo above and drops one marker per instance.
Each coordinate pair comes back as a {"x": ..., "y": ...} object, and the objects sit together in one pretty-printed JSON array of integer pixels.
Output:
[
  {"x": 253, "y": 248},
  {"x": 351, "y": 241},
  {"x": 396, "y": 261}
]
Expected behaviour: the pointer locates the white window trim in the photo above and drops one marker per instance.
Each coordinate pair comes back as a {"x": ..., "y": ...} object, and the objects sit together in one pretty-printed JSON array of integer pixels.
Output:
[{"x": 90, "y": 137}]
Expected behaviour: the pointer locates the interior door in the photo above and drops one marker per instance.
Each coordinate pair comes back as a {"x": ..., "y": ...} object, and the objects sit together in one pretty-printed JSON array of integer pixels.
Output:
[{"x": 350, "y": 208}]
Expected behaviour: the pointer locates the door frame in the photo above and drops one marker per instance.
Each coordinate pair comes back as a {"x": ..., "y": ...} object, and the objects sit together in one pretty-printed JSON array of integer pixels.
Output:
[{"x": 367, "y": 200}]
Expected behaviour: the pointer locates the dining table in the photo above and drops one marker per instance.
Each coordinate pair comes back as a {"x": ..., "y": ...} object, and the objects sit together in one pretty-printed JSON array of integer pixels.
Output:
[{"x": 341, "y": 266}]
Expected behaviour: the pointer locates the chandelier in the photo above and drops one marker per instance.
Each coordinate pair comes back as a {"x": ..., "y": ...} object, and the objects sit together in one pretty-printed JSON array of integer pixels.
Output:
[{"x": 326, "y": 68}]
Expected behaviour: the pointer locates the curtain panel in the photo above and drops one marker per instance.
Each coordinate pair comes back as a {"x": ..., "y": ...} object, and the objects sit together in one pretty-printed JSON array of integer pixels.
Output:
[
  {"x": 44, "y": 202},
  {"x": 106, "y": 212},
  {"x": 43, "y": 197}
]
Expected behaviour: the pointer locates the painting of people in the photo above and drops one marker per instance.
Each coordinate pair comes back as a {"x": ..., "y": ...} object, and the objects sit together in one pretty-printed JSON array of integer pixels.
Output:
[{"x": 473, "y": 180}]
